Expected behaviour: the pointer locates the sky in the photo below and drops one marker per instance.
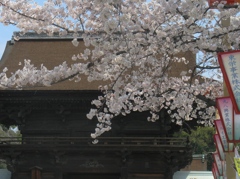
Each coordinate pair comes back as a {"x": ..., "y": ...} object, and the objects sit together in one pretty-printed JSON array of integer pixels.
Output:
[{"x": 6, "y": 33}]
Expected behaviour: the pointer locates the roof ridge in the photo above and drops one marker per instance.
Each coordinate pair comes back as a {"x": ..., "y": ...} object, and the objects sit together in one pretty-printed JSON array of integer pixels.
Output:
[{"x": 17, "y": 35}]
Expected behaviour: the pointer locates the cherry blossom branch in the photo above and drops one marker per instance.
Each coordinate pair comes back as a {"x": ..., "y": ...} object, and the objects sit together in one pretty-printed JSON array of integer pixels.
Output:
[{"x": 35, "y": 19}]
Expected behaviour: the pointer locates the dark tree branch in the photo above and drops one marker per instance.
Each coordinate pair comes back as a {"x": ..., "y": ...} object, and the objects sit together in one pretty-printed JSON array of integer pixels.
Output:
[
  {"x": 208, "y": 101},
  {"x": 33, "y": 18},
  {"x": 208, "y": 67}
]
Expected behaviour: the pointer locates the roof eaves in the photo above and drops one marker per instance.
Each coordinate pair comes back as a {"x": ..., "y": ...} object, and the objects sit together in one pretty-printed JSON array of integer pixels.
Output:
[{"x": 42, "y": 36}]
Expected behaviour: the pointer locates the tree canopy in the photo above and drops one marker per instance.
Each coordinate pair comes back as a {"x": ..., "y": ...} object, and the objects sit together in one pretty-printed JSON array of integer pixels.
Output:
[
  {"x": 133, "y": 44},
  {"x": 201, "y": 139},
  {"x": 5, "y": 132}
]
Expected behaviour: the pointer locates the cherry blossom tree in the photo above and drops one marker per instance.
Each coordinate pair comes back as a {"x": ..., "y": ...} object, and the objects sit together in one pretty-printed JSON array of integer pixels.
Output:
[{"x": 133, "y": 44}]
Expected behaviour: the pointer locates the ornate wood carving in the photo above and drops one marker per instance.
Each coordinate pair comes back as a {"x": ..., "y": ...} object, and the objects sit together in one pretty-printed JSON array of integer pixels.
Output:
[{"x": 56, "y": 137}]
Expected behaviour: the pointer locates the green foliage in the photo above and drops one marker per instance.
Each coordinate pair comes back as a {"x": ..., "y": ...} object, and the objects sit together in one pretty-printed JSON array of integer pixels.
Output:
[
  {"x": 201, "y": 139},
  {"x": 8, "y": 132},
  {"x": 2, "y": 165}
]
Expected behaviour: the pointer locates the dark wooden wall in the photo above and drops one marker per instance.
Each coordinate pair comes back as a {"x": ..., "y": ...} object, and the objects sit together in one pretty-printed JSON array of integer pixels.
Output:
[{"x": 56, "y": 141}]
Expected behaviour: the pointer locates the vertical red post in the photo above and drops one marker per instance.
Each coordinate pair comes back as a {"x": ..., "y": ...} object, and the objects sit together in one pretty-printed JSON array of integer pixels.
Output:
[{"x": 36, "y": 173}]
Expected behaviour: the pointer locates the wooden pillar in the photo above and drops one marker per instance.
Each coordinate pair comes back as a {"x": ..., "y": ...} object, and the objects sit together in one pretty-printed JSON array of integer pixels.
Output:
[
  {"x": 169, "y": 172},
  {"x": 36, "y": 173},
  {"x": 14, "y": 175},
  {"x": 231, "y": 173},
  {"x": 124, "y": 173},
  {"x": 58, "y": 175}
]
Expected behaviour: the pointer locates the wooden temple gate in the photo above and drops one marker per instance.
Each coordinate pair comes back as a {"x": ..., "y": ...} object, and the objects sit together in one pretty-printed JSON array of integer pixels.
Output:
[{"x": 56, "y": 142}]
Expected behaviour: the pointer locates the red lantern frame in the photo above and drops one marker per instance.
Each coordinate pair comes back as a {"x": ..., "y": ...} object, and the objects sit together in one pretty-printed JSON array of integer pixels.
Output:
[
  {"x": 229, "y": 2},
  {"x": 215, "y": 171},
  {"x": 217, "y": 159},
  {"x": 222, "y": 135},
  {"x": 219, "y": 146},
  {"x": 226, "y": 79},
  {"x": 231, "y": 118}
]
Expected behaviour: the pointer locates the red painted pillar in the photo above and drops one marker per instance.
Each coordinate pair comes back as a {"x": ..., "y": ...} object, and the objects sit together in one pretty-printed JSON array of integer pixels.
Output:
[{"x": 36, "y": 173}]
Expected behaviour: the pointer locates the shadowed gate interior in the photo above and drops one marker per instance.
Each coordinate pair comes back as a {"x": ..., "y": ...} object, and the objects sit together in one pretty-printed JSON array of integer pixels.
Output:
[
  {"x": 91, "y": 176},
  {"x": 56, "y": 142}
]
